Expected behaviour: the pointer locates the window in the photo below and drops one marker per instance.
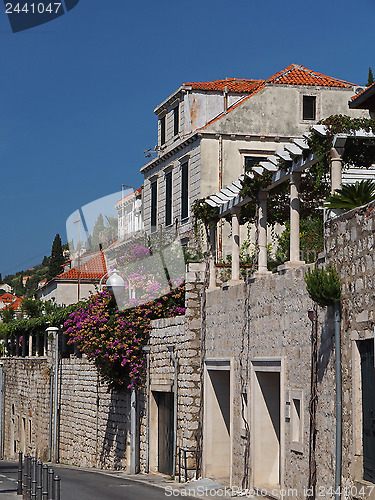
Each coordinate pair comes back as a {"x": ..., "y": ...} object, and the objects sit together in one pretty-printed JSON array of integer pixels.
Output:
[
  {"x": 168, "y": 198},
  {"x": 250, "y": 161},
  {"x": 184, "y": 191},
  {"x": 162, "y": 131},
  {"x": 309, "y": 107},
  {"x": 154, "y": 199},
  {"x": 176, "y": 121},
  {"x": 296, "y": 398}
]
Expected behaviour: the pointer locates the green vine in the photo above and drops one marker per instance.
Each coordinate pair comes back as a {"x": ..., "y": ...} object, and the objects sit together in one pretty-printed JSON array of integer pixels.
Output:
[
  {"x": 356, "y": 153},
  {"x": 204, "y": 214}
]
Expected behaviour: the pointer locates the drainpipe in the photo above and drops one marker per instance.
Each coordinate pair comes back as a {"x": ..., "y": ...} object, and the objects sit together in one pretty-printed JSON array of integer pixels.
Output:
[
  {"x": 54, "y": 397},
  {"x": 133, "y": 427},
  {"x": 337, "y": 323},
  {"x": 225, "y": 94},
  {"x": 220, "y": 235},
  {"x": 2, "y": 410},
  {"x": 147, "y": 349},
  {"x": 175, "y": 408}
]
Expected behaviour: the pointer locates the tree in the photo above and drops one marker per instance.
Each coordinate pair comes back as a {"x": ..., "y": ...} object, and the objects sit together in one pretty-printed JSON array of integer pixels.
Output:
[
  {"x": 370, "y": 80},
  {"x": 352, "y": 195},
  {"x": 56, "y": 260}
]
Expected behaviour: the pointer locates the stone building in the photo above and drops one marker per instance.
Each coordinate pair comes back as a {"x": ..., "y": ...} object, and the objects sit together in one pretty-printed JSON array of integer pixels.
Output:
[
  {"x": 209, "y": 131},
  {"x": 77, "y": 282}
]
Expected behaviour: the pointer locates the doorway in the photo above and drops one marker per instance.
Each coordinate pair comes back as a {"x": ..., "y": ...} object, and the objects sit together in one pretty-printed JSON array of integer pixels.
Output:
[
  {"x": 217, "y": 429},
  {"x": 266, "y": 427},
  {"x": 366, "y": 350},
  {"x": 164, "y": 402}
]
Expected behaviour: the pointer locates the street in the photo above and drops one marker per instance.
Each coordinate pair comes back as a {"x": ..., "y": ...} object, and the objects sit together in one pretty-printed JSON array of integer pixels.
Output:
[{"x": 83, "y": 485}]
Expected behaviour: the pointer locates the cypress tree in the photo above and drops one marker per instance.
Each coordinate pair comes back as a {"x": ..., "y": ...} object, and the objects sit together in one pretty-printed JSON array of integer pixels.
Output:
[
  {"x": 56, "y": 260},
  {"x": 370, "y": 80}
]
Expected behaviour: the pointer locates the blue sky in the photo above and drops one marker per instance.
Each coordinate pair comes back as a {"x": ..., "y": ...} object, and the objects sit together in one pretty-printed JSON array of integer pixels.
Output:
[{"x": 78, "y": 93}]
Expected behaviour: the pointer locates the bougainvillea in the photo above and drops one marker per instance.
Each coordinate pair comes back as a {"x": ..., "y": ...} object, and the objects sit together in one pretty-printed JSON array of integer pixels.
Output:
[
  {"x": 112, "y": 330},
  {"x": 114, "y": 339}
]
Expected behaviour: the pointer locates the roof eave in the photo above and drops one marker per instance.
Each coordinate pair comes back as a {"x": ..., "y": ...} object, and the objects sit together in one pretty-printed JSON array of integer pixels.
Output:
[
  {"x": 362, "y": 101},
  {"x": 170, "y": 99}
]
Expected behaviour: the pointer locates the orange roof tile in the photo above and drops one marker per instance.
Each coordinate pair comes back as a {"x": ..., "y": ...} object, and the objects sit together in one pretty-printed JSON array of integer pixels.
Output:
[
  {"x": 94, "y": 269},
  {"x": 354, "y": 97},
  {"x": 239, "y": 85},
  {"x": 7, "y": 297},
  {"x": 299, "y": 75},
  {"x": 15, "y": 305}
]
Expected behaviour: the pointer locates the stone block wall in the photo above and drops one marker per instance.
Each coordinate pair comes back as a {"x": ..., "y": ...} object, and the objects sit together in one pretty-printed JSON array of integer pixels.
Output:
[
  {"x": 26, "y": 407},
  {"x": 182, "y": 335},
  {"x": 350, "y": 243},
  {"x": 95, "y": 425},
  {"x": 268, "y": 319},
  {"x": 94, "y": 422}
]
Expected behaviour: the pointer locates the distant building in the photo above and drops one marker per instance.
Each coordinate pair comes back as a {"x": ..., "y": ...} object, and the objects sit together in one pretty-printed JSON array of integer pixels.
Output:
[
  {"x": 76, "y": 283},
  {"x": 6, "y": 288},
  {"x": 129, "y": 210}
]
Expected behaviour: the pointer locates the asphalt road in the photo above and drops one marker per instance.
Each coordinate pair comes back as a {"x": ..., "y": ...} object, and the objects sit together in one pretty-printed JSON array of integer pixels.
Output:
[
  {"x": 8, "y": 480},
  {"x": 83, "y": 485}
]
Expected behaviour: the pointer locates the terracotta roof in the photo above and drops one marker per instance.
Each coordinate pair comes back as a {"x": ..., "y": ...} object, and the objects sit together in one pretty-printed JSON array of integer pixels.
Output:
[
  {"x": 15, "y": 305},
  {"x": 239, "y": 85},
  {"x": 7, "y": 297},
  {"x": 94, "y": 269},
  {"x": 299, "y": 75},
  {"x": 371, "y": 87},
  {"x": 292, "y": 75}
]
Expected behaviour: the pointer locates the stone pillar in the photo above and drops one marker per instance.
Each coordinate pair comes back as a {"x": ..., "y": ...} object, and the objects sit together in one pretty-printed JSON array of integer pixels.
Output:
[
  {"x": 336, "y": 170},
  {"x": 262, "y": 232},
  {"x": 212, "y": 270},
  {"x": 235, "y": 245},
  {"x": 30, "y": 340},
  {"x": 294, "y": 218}
]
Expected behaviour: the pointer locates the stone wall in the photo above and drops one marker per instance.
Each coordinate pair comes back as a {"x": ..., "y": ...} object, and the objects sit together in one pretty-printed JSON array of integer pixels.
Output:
[
  {"x": 181, "y": 334},
  {"x": 94, "y": 422},
  {"x": 350, "y": 248},
  {"x": 263, "y": 321},
  {"x": 26, "y": 406}
]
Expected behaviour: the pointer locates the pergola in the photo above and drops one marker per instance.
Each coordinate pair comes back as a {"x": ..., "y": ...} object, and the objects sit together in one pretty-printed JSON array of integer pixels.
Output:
[{"x": 230, "y": 201}]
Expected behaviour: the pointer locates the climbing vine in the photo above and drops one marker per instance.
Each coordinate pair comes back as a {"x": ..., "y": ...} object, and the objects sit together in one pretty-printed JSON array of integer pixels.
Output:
[{"x": 356, "y": 152}]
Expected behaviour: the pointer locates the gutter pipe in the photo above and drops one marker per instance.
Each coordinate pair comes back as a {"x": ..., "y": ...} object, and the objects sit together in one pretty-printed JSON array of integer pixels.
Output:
[{"x": 338, "y": 460}]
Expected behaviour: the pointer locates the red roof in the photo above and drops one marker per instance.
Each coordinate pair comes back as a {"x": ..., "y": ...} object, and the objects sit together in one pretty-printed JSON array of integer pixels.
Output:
[
  {"x": 299, "y": 75},
  {"x": 7, "y": 297},
  {"x": 239, "y": 85},
  {"x": 292, "y": 75},
  {"x": 354, "y": 97},
  {"x": 92, "y": 269},
  {"x": 16, "y": 304}
]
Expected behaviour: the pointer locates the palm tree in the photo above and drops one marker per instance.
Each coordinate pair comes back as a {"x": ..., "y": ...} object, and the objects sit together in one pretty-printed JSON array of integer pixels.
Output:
[{"x": 352, "y": 195}]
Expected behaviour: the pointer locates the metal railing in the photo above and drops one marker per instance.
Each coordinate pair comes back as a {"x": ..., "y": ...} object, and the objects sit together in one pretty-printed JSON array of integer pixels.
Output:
[
  {"x": 183, "y": 463},
  {"x": 36, "y": 481}
]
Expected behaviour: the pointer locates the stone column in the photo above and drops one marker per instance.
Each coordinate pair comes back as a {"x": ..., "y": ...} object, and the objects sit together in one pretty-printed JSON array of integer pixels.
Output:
[
  {"x": 294, "y": 217},
  {"x": 262, "y": 232},
  {"x": 336, "y": 170},
  {"x": 30, "y": 339},
  {"x": 212, "y": 247},
  {"x": 235, "y": 245}
]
